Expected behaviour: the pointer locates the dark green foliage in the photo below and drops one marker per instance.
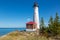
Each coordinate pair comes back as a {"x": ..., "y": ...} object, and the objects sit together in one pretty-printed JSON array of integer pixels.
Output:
[
  {"x": 56, "y": 24},
  {"x": 53, "y": 28},
  {"x": 50, "y": 22},
  {"x": 42, "y": 25}
]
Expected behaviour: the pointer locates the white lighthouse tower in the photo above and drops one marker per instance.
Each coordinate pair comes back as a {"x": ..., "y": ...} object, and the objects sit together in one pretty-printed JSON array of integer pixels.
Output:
[
  {"x": 34, "y": 25},
  {"x": 36, "y": 14}
]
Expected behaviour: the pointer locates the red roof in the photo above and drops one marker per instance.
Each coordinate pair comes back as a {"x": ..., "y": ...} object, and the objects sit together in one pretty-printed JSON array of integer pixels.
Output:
[{"x": 30, "y": 22}]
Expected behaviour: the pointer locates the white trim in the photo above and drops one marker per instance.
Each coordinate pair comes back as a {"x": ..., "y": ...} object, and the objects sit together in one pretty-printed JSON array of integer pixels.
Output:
[{"x": 30, "y": 29}]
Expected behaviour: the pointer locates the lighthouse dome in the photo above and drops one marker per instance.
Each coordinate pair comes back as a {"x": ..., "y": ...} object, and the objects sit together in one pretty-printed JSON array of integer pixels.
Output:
[{"x": 35, "y": 4}]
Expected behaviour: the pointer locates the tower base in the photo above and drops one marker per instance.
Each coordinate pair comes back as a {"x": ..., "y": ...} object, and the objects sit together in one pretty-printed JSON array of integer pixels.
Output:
[{"x": 30, "y": 29}]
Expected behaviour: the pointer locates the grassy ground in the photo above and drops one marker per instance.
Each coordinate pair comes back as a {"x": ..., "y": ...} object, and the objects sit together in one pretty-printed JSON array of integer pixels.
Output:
[{"x": 16, "y": 35}]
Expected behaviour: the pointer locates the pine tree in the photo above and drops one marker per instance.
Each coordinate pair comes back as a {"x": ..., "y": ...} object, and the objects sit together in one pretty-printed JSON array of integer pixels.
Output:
[
  {"x": 50, "y": 26},
  {"x": 56, "y": 20},
  {"x": 42, "y": 25},
  {"x": 51, "y": 22},
  {"x": 59, "y": 21},
  {"x": 56, "y": 24}
]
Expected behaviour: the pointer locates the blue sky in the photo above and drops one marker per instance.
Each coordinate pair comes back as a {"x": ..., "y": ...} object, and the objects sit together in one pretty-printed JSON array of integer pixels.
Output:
[{"x": 15, "y": 13}]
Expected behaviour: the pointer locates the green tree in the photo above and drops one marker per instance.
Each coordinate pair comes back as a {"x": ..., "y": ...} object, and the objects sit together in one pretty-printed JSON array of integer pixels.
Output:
[
  {"x": 42, "y": 25},
  {"x": 56, "y": 20},
  {"x": 51, "y": 22},
  {"x": 56, "y": 24},
  {"x": 50, "y": 26},
  {"x": 54, "y": 28},
  {"x": 59, "y": 21}
]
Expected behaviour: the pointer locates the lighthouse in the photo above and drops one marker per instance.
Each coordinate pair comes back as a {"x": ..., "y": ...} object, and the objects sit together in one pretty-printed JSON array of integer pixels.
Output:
[
  {"x": 34, "y": 25},
  {"x": 36, "y": 14}
]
